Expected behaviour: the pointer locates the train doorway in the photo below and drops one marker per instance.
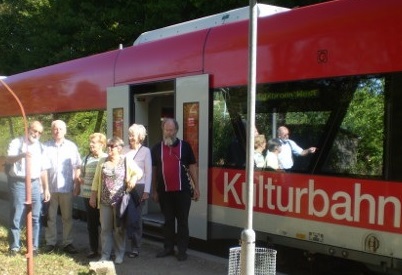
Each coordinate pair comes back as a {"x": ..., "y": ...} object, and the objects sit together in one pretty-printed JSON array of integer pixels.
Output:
[{"x": 186, "y": 100}]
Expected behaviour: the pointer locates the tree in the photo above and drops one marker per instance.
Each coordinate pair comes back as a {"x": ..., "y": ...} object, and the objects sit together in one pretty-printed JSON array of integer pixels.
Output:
[{"x": 37, "y": 33}]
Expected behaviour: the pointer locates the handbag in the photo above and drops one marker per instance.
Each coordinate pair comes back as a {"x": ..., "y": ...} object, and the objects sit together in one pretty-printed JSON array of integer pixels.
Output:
[
  {"x": 123, "y": 203},
  {"x": 190, "y": 180}
]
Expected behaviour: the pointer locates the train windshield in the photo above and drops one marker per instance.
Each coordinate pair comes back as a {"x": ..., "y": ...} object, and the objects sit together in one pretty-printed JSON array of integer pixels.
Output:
[{"x": 344, "y": 118}]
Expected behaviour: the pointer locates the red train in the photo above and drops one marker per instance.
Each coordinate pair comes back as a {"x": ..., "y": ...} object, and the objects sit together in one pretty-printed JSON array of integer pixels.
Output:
[{"x": 331, "y": 72}]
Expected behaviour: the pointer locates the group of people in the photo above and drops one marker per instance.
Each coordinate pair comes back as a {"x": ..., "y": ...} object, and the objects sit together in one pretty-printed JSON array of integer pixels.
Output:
[
  {"x": 280, "y": 151},
  {"x": 58, "y": 173}
]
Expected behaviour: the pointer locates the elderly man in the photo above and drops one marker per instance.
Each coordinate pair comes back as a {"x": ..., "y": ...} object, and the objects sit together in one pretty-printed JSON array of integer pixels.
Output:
[
  {"x": 65, "y": 163},
  {"x": 18, "y": 150},
  {"x": 171, "y": 158},
  {"x": 290, "y": 148}
]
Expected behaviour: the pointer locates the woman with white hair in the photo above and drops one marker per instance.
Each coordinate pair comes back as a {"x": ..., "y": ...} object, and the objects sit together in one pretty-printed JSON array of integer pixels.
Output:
[{"x": 142, "y": 157}]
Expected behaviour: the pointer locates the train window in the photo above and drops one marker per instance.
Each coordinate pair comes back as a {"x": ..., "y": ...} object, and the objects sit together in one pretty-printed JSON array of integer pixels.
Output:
[{"x": 342, "y": 117}]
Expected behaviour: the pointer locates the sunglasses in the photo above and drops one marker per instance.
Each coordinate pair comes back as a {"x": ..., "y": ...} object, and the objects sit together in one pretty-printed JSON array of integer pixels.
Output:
[{"x": 112, "y": 146}]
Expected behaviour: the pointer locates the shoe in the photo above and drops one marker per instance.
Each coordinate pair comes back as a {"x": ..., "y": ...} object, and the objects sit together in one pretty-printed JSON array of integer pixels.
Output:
[
  {"x": 48, "y": 249},
  {"x": 181, "y": 257},
  {"x": 35, "y": 252},
  {"x": 70, "y": 249},
  {"x": 165, "y": 253},
  {"x": 118, "y": 260},
  {"x": 133, "y": 254},
  {"x": 92, "y": 255}
]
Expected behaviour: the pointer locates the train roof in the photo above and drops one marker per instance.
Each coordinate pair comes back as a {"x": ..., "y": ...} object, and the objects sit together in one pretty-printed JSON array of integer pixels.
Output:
[
  {"x": 207, "y": 22},
  {"x": 331, "y": 39}
]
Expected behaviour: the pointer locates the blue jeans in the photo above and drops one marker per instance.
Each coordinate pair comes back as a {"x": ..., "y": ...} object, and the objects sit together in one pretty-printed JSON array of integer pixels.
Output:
[{"x": 18, "y": 211}]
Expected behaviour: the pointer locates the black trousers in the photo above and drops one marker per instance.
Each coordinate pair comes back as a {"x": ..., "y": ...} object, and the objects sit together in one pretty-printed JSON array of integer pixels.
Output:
[
  {"x": 93, "y": 224},
  {"x": 175, "y": 206}
]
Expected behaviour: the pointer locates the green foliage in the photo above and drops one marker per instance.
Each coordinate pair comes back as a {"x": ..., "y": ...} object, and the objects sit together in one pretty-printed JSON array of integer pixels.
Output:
[
  {"x": 365, "y": 118},
  {"x": 43, "y": 264},
  {"x": 79, "y": 126},
  {"x": 37, "y": 33},
  {"x": 222, "y": 131}
]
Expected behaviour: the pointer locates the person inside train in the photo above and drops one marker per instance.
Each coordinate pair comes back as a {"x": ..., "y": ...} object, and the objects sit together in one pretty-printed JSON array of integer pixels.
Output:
[
  {"x": 274, "y": 148},
  {"x": 290, "y": 149},
  {"x": 260, "y": 144}
]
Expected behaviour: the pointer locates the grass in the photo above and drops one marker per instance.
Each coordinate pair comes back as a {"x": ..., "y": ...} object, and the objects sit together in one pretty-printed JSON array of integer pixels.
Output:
[{"x": 44, "y": 264}]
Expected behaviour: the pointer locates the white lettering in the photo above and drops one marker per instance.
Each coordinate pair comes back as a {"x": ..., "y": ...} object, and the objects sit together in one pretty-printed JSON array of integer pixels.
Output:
[
  {"x": 300, "y": 192},
  {"x": 230, "y": 187},
  {"x": 397, "y": 210},
  {"x": 279, "y": 195},
  {"x": 312, "y": 196},
  {"x": 270, "y": 188},
  {"x": 341, "y": 210},
  {"x": 358, "y": 200},
  {"x": 316, "y": 202}
]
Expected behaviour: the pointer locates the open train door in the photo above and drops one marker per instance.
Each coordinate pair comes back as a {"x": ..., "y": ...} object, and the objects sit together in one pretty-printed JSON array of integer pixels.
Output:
[{"x": 191, "y": 105}]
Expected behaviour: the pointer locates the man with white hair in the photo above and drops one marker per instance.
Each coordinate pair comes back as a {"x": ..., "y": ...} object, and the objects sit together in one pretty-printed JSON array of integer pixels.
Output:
[
  {"x": 290, "y": 148},
  {"x": 64, "y": 172}
]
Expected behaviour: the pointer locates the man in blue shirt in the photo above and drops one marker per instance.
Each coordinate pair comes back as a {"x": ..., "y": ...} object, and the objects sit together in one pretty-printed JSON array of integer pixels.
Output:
[{"x": 65, "y": 163}]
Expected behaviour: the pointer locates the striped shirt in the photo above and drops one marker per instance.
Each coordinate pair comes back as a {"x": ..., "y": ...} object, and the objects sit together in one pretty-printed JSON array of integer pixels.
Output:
[{"x": 88, "y": 169}]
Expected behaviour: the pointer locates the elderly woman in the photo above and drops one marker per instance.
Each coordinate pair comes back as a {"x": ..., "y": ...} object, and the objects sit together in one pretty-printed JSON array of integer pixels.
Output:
[
  {"x": 142, "y": 157},
  {"x": 97, "y": 144},
  {"x": 113, "y": 176},
  {"x": 259, "y": 146}
]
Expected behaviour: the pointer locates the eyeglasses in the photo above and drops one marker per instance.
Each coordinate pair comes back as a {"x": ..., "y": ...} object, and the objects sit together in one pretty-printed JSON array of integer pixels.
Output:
[{"x": 111, "y": 146}]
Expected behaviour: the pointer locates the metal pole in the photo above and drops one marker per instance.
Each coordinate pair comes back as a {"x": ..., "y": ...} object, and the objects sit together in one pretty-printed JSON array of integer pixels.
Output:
[
  {"x": 247, "y": 256},
  {"x": 28, "y": 192}
]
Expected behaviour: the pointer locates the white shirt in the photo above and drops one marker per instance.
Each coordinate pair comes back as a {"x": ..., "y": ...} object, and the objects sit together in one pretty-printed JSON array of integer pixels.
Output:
[
  {"x": 285, "y": 157},
  {"x": 142, "y": 157},
  {"x": 64, "y": 159},
  {"x": 272, "y": 160},
  {"x": 39, "y": 162},
  {"x": 259, "y": 160}
]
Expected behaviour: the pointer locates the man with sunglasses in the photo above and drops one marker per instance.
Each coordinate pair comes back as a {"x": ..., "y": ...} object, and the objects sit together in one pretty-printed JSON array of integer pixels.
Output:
[{"x": 18, "y": 150}]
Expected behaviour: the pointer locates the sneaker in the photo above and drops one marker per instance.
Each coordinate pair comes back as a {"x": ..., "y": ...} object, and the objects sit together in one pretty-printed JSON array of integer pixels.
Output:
[
  {"x": 92, "y": 255},
  {"x": 48, "y": 249},
  {"x": 118, "y": 260},
  {"x": 70, "y": 249},
  {"x": 133, "y": 254}
]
